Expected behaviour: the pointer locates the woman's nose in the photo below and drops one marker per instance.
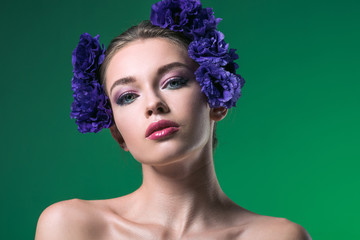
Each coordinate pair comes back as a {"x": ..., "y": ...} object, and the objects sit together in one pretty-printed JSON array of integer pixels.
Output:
[{"x": 155, "y": 105}]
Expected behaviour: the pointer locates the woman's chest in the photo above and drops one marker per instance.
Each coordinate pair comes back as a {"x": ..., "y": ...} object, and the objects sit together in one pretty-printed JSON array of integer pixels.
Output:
[{"x": 126, "y": 230}]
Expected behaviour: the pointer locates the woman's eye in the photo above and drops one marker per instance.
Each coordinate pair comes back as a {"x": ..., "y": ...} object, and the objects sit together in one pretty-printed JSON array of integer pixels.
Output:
[
  {"x": 126, "y": 98},
  {"x": 176, "y": 83}
]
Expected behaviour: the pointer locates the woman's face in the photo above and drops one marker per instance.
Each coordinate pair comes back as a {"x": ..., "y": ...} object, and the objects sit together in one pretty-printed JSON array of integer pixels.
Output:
[{"x": 157, "y": 104}]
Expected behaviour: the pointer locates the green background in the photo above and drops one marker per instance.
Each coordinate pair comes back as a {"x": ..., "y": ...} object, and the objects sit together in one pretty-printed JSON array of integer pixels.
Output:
[{"x": 289, "y": 149}]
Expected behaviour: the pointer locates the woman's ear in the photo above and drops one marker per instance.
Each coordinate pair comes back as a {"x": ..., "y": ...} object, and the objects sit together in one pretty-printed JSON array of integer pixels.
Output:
[
  {"x": 218, "y": 113},
  {"x": 117, "y": 136}
]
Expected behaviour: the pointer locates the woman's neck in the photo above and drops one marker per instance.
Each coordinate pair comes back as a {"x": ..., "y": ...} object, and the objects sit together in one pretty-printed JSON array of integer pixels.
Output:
[{"x": 183, "y": 196}]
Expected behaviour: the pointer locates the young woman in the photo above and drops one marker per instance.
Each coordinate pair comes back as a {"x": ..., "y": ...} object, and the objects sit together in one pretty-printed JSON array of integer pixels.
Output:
[{"x": 165, "y": 99}]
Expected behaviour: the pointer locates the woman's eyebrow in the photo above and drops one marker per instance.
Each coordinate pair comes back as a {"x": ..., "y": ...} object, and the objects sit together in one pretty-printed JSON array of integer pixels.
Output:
[
  {"x": 161, "y": 71},
  {"x": 122, "y": 81},
  {"x": 166, "y": 68}
]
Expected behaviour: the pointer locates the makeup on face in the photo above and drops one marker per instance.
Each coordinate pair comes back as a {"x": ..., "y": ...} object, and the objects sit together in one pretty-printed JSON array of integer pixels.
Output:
[
  {"x": 157, "y": 103},
  {"x": 172, "y": 76},
  {"x": 161, "y": 129}
]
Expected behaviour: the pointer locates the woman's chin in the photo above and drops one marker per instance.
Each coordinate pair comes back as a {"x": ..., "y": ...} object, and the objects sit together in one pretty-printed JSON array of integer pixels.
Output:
[{"x": 168, "y": 153}]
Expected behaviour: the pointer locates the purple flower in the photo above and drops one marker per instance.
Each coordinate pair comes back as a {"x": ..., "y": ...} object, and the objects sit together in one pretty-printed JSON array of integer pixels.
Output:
[
  {"x": 217, "y": 71},
  {"x": 231, "y": 66},
  {"x": 190, "y": 7},
  {"x": 87, "y": 56},
  {"x": 183, "y": 16},
  {"x": 204, "y": 22},
  {"x": 91, "y": 107},
  {"x": 221, "y": 87},
  {"x": 211, "y": 48},
  {"x": 167, "y": 13}
]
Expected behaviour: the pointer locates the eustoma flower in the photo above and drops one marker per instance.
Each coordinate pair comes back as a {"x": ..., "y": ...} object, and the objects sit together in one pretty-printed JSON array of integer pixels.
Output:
[
  {"x": 221, "y": 87},
  {"x": 217, "y": 68},
  {"x": 212, "y": 48},
  {"x": 91, "y": 107},
  {"x": 87, "y": 56}
]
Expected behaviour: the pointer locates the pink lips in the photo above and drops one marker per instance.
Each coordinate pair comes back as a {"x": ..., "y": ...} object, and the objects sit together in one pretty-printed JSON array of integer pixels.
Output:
[{"x": 161, "y": 129}]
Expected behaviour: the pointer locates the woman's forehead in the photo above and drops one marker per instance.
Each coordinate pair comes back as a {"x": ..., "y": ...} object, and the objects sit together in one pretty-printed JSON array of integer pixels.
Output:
[
  {"x": 151, "y": 48},
  {"x": 145, "y": 55}
]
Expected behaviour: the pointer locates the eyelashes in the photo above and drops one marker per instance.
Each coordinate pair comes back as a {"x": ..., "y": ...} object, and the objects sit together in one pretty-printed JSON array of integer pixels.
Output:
[
  {"x": 126, "y": 98},
  {"x": 174, "y": 83}
]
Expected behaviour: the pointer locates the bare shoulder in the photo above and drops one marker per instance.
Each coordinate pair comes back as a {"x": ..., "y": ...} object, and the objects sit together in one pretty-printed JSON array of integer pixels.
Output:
[
  {"x": 272, "y": 228},
  {"x": 71, "y": 219}
]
